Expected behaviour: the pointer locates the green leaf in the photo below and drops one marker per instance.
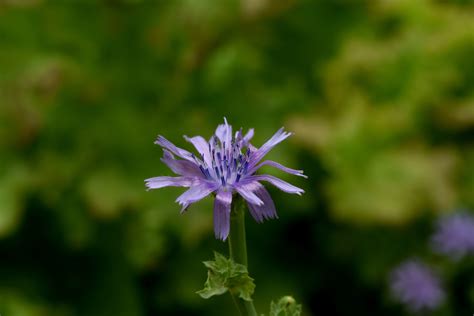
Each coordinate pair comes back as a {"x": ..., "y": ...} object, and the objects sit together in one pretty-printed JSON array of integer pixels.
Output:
[
  {"x": 286, "y": 306},
  {"x": 225, "y": 275}
]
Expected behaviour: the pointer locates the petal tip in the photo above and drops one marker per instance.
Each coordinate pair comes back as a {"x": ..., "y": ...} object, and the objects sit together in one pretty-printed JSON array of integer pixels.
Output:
[
  {"x": 221, "y": 236},
  {"x": 158, "y": 140},
  {"x": 184, "y": 208}
]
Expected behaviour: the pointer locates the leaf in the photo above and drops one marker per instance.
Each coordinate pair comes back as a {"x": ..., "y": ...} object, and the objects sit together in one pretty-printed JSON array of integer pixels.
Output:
[
  {"x": 225, "y": 275},
  {"x": 286, "y": 306}
]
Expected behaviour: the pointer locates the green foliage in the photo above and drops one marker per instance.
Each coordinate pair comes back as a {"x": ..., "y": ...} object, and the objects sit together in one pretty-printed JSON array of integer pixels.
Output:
[
  {"x": 14, "y": 303},
  {"x": 387, "y": 101},
  {"x": 12, "y": 187},
  {"x": 226, "y": 275},
  {"x": 286, "y": 306}
]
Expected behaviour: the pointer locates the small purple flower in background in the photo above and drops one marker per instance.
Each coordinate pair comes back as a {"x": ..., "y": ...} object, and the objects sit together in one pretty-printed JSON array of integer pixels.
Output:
[
  {"x": 415, "y": 285},
  {"x": 225, "y": 165},
  {"x": 454, "y": 236}
]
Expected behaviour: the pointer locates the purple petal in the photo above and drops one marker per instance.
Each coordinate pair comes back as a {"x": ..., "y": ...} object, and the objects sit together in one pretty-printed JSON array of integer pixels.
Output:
[
  {"x": 267, "y": 209},
  {"x": 194, "y": 194},
  {"x": 163, "y": 142},
  {"x": 222, "y": 214},
  {"x": 161, "y": 182},
  {"x": 248, "y": 136},
  {"x": 247, "y": 191},
  {"x": 239, "y": 136},
  {"x": 181, "y": 167},
  {"x": 277, "y": 138},
  {"x": 280, "y": 184},
  {"x": 224, "y": 133},
  {"x": 278, "y": 166},
  {"x": 202, "y": 146},
  {"x": 252, "y": 148}
]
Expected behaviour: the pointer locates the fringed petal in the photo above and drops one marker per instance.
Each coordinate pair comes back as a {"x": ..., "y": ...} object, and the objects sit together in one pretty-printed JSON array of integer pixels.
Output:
[
  {"x": 280, "y": 184},
  {"x": 202, "y": 146},
  {"x": 277, "y": 138},
  {"x": 224, "y": 133},
  {"x": 278, "y": 166},
  {"x": 163, "y": 142},
  {"x": 247, "y": 191},
  {"x": 161, "y": 182},
  {"x": 222, "y": 210},
  {"x": 267, "y": 209},
  {"x": 195, "y": 193},
  {"x": 181, "y": 167}
]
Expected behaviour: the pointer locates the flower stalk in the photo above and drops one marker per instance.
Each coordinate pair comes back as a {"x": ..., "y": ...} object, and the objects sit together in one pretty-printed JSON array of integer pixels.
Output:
[{"x": 238, "y": 249}]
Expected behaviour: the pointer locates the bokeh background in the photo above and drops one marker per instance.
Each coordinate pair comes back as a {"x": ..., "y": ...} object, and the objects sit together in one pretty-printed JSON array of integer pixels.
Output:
[{"x": 380, "y": 95}]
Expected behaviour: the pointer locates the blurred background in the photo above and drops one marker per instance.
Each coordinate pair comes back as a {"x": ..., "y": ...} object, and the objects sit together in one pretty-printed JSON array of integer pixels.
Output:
[{"x": 380, "y": 95}]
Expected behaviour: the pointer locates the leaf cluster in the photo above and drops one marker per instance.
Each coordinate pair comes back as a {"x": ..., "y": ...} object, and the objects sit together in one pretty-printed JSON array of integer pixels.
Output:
[{"x": 226, "y": 275}]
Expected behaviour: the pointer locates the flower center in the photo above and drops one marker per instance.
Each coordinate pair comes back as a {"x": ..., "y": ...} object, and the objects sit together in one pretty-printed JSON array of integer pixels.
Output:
[{"x": 224, "y": 163}]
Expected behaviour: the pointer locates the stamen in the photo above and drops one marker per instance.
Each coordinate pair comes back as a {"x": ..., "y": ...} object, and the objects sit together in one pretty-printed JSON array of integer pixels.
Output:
[
  {"x": 203, "y": 170},
  {"x": 246, "y": 165},
  {"x": 229, "y": 159}
]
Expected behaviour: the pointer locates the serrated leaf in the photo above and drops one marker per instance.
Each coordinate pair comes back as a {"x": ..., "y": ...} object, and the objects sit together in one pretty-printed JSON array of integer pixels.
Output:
[
  {"x": 215, "y": 285},
  {"x": 225, "y": 275},
  {"x": 286, "y": 306}
]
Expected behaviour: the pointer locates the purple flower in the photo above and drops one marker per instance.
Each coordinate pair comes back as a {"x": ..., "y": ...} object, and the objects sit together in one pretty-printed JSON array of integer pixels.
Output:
[
  {"x": 454, "y": 235},
  {"x": 415, "y": 285},
  {"x": 225, "y": 165}
]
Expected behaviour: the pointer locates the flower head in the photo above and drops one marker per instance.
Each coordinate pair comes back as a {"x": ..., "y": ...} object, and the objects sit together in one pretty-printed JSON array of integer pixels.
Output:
[
  {"x": 454, "y": 235},
  {"x": 224, "y": 165},
  {"x": 415, "y": 285}
]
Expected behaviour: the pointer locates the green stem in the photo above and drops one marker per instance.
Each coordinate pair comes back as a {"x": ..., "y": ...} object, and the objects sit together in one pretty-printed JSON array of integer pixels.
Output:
[{"x": 238, "y": 248}]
